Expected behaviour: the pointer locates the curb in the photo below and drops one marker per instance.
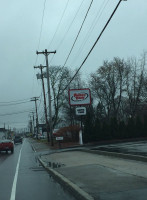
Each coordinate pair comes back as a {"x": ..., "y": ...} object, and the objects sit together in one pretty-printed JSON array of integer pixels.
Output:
[
  {"x": 73, "y": 188},
  {"x": 118, "y": 155}
]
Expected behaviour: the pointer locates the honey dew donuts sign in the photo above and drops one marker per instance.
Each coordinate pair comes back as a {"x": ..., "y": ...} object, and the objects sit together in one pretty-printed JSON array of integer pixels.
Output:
[{"x": 78, "y": 97}]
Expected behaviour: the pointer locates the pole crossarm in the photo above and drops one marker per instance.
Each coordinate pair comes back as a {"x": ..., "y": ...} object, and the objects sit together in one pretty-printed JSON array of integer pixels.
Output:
[
  {"x": 45, "y": 52},
  {"x": 34, "y": 98},
  {"x": 40, "y": 67}
]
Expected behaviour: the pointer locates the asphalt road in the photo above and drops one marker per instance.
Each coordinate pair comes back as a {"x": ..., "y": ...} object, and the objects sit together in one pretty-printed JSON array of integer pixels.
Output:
[{"x": 23, "y": 178}]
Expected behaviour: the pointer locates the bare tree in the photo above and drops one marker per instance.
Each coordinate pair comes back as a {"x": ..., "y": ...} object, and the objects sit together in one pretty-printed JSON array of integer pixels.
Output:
[
  {"x": 135, "y": 83},
  {"x": 107, "y": 85},
  {"x": 59, "y": 77},
  {"x": 120, "y": 86}
]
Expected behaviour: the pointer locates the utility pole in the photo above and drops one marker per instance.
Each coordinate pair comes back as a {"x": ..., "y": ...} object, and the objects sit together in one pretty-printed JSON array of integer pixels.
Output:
[
  {"x": 33, "y": 122},
  {"x": 35, "y": 99},
  {"x": 45, "y": 108},
  {"x": 31, "y": 127},
  {"x": 46, "y": 53}
]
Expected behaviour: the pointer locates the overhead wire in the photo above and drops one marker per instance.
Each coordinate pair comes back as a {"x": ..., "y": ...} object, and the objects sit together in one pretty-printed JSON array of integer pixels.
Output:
[
  {"x": 59, "y": 23},
  {"x": 40, "y": 34},
  {"x": 95, "y": 21},
  {"x": 66, "y": 33},
  {"x": 5, "y": 114},
  {"x": 22, "y": 122},
  {"x": 57, "y": 28},
  {"x": 99, "y": 36},
  {"x": 42, "y": 23},
  {"x": 14, "y": 101},
  {"x": 78, "y": 32},
  {"x": 12, "y": 104}
]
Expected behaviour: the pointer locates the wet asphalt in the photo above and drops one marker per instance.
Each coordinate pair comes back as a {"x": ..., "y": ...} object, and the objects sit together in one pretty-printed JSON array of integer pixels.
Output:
[
  {"x": 104, "y": 177},
  {"x": 33, "y": 181}
]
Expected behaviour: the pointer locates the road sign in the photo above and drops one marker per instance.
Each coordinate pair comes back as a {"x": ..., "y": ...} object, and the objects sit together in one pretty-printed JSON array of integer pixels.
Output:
[
  {"x": 81, "y": 111},
  {"x": 59, "y": 138},
  {"x": 79, "y": 97}
]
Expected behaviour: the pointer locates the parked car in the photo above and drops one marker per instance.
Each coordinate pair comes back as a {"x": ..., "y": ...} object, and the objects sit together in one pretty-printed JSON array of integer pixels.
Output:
[
  {"x": 18, "y": 139},
  {"x": 6, "y": 145}
]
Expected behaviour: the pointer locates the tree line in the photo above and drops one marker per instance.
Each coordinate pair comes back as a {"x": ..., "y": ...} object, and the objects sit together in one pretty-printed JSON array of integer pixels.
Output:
[{"x": 119, "y": 96}]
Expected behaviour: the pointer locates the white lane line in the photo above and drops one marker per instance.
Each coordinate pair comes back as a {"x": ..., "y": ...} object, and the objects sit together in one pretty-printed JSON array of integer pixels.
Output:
[{"x": 13, "y": 192}]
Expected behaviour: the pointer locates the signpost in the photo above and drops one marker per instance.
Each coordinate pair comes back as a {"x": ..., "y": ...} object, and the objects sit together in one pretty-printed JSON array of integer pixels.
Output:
[
  {"x": 59, "y": 139},
  {"x": 81, "y": 111},
  {"x": 80, "y": 97}
]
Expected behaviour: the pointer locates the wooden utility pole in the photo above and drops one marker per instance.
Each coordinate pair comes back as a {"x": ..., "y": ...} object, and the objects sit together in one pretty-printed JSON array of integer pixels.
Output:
[
  {"x": 45, "y": 108},
  {"x": 46, "y": 53},
  {"x": 33, "y": 122},
  {"x": 37, "y": 124},
  {"x": 31, "y": 125}
]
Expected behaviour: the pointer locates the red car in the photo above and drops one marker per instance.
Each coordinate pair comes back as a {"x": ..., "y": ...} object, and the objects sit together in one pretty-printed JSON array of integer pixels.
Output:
[{"x": 6, "y": 145}]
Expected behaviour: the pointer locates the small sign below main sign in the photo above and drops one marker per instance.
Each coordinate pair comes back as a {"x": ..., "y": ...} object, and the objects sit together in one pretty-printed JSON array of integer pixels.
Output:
[
  {"x": 81, "y": 111},
  {"x": 59, "y": 138}
]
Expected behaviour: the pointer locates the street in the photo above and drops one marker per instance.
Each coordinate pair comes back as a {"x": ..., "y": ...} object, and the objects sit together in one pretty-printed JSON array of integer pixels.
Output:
[{"x": 22, "y": 177}]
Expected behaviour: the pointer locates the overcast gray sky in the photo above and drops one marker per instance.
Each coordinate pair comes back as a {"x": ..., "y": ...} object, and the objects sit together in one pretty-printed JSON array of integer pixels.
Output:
[{"x": 27, "y": 26}]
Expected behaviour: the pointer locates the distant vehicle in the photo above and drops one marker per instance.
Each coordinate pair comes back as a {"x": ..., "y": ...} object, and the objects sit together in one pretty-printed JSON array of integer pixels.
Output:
[
  {"x": 18, "y": 139},
  {"x": 6, "y": 145}
]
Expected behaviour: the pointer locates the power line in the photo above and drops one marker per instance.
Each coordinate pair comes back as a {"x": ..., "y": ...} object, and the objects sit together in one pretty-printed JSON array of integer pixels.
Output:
[
  {"x": 94, "y": 44},
  {"x": 78, "y": 32},
  {"x": 15, "y": 113},
  {"x": 58, "y": 24},
  {"x": 70, "y": 25},
  {"x": 41, "y": 24},
  {"x": 41, "y": 29},
  {"x": 12, "y": 104},
  {"x": 95, "y": 21},
  {"x": 22, "y": 100},
  {"x": 66, "y": 32},
  {"x": 12, "y": 122}
]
